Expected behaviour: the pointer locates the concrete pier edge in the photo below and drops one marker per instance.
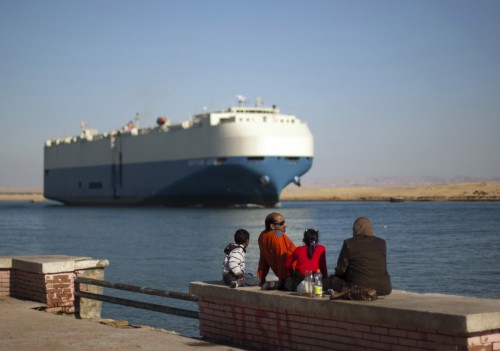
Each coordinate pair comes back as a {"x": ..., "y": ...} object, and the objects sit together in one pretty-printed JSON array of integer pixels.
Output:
[{"x": 277, "y": 320}]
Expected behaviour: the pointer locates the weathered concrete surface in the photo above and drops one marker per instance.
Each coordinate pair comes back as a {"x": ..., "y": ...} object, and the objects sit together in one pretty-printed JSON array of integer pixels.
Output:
[
  {"x": 89, "y": 308},
  {"x": 24, "y": 329},
  {"x": 442, "y": 313},
  {"x": 51, "y": 263}
]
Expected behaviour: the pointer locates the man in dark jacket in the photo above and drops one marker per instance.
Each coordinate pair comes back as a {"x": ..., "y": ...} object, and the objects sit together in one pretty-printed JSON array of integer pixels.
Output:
[{"x": 362, "y": 261}]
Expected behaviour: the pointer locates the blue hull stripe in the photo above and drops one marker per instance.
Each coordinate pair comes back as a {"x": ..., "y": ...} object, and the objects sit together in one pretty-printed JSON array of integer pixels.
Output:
[{"x": 207, "y": 182}]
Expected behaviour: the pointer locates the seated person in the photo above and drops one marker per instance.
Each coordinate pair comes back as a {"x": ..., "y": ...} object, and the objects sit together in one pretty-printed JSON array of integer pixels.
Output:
[
  {"x": 275, "y": 247},
  {"x": 233, "y": 267},
  {"x": 362, "y": 261},
  {"x": 309, "y": 257}
]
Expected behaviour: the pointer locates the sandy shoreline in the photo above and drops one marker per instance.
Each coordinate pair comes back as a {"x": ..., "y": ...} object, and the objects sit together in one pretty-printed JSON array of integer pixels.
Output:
[
  {"x": 481, "y": 191},
  {"x": 31, "y": 197}
]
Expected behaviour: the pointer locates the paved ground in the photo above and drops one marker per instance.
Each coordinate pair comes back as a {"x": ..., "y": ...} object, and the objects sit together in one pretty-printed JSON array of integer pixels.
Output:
[{"x": 23, "y": 328}]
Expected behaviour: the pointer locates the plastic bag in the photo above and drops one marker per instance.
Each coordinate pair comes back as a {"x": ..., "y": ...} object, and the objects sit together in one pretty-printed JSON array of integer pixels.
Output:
[{"x": 301, "y": 288}]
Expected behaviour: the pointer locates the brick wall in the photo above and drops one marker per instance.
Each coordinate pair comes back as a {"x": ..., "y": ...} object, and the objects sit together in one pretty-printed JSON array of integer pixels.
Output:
[
  {"x": 402, "y": 321},
  {"x": 60, "y": 292},
  {"x": 275, "y": 329},
  {"x": 5, "y": 282},
  {"x": 56, "y": 291},
  {"x": 27, "y": 285}
]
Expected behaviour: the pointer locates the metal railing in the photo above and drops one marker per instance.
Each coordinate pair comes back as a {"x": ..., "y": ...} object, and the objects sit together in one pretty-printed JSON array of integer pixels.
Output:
[{"x": 138, "y": 304}]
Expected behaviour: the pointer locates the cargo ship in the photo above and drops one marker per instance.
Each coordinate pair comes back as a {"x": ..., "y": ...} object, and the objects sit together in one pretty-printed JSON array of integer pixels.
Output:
[{"x": 243, "y": 155}]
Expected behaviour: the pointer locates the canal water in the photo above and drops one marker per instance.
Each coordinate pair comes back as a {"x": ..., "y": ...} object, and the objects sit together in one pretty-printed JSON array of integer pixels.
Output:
[{"x": 433, "y": 247}]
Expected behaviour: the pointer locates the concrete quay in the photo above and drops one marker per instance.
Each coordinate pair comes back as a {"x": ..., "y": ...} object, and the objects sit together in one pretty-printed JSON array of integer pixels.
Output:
[
  {"x": 248, "y": 317},
  {"x": 403, "y": 321},
  {"x": 24, "y": 328},
  {"x": 33, "y": 286}
]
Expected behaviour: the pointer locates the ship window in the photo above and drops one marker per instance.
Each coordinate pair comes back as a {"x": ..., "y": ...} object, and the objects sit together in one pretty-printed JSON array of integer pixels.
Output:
[
  {"x": 292, "y": 158},
  {"x": 227, "y": 120},
  {"x": 255, "y": 158},
  {"x": 95, "y": 185}
]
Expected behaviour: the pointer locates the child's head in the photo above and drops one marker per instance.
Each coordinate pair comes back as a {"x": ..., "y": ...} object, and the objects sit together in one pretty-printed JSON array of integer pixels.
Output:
[
  {"x": 311, "y": 238},
  {"x": 242, "y": 237},
  {"x": 311, "y": 235}
]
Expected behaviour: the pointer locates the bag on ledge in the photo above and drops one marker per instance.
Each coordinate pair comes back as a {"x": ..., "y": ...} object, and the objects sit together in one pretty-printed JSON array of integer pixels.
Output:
[{"x": 356, "y": 292}]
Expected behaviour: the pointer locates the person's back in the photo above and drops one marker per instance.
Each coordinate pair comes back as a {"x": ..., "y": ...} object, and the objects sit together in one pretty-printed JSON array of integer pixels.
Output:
[
  {"x": 362, "y": 261},
  {"x": 367, "y": 263},
  {"x": 310, "y": 257},
  {"x": 303, "y": 263}
]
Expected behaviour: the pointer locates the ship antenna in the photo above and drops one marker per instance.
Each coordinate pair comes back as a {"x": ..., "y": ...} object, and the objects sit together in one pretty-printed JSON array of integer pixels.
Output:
[
  {"x": 241, "y": 100},
  {"x": 137, "y": 120}
]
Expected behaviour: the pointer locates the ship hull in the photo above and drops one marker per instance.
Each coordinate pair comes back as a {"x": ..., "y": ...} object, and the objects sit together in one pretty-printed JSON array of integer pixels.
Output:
[{"x": 238, "y": 181}]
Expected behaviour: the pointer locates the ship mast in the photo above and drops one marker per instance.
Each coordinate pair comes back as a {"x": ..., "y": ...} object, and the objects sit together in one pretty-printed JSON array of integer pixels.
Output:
[{"x": 241, "y": 100}]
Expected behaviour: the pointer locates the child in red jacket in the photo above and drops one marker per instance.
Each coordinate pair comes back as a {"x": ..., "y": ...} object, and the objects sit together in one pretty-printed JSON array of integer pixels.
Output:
[{"x": 309, "y": 257}]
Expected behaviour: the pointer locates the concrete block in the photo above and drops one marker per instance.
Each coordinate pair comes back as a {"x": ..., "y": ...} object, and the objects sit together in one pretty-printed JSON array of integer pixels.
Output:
[
  {"x": 52, "y": 263},
  {"x": 5, "y": 262},
  {"x": 458, "y": 315},
  {"x": 90, "y": 263}
]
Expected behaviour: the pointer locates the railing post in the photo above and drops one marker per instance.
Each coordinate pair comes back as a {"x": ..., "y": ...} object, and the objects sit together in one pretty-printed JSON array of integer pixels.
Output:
[{"x": 88, "y": 308}]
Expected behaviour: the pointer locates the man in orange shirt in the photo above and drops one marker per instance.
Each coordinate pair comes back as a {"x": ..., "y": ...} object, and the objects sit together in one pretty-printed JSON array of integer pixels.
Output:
[{"x": 275, "y": 247}]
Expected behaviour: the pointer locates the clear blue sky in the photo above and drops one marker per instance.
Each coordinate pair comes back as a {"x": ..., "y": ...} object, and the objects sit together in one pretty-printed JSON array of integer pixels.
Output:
[{"x": 388, "y": 88}]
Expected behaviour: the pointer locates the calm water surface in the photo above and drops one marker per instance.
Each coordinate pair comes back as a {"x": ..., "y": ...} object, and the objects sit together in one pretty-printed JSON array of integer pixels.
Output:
[{"x": 433, "y": 247}]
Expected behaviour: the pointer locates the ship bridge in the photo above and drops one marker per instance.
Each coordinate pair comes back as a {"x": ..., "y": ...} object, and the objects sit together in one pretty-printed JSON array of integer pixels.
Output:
[{"x": 248, "y": 115}]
